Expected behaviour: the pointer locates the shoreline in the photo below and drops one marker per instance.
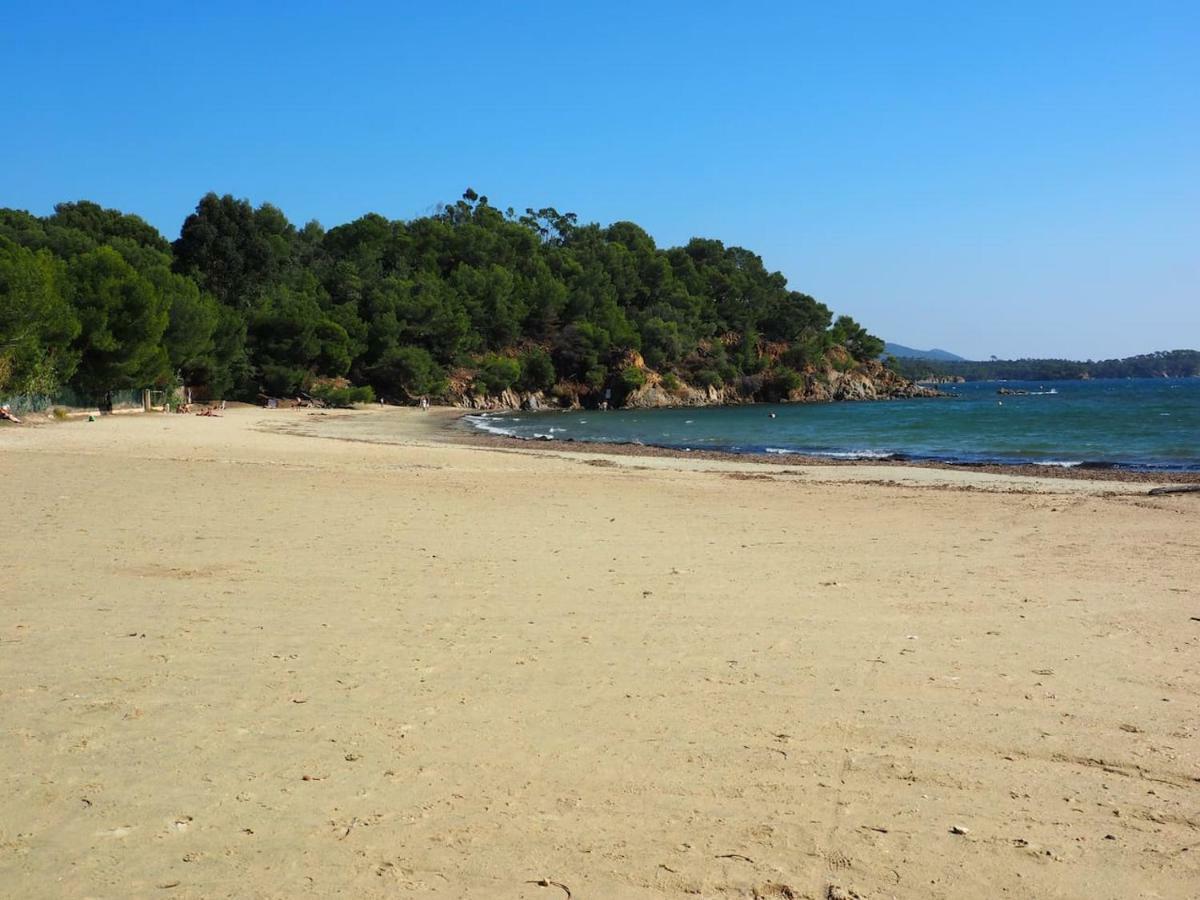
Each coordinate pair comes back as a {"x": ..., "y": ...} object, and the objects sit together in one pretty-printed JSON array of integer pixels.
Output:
[
  {"x": 466, "y": 433},
  {"x": 447, "y": 425}
]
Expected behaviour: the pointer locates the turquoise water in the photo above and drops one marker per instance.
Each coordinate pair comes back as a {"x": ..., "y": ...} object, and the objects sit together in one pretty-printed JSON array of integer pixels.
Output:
[{"x": 1151, "y": 423}]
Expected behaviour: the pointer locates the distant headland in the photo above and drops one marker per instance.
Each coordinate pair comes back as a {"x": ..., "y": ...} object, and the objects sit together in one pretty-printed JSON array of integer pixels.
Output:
[
  {"x": 1161, "y": 364},
  {"x": 471, "y": 304}
]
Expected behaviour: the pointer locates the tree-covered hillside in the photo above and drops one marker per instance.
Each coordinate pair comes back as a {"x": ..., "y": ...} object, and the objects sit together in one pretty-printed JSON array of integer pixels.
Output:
[
  {"x": 1165, "y": 363},
  {"x": 245, "y": 303}
]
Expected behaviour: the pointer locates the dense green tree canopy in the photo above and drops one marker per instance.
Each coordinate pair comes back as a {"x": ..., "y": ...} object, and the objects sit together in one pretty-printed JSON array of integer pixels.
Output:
[
  {"x": 245, "y": 302},
  {"x": 123, "y": 319},
  {"x": 37, "y": 323}
]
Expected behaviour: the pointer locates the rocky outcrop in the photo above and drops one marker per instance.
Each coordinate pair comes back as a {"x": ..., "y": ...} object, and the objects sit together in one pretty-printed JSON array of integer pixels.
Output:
[
  {"x": 869, "y": 380},
  {"x": 654, "y": 394},
  {"x": 509, "y": 399},
  {"x": 942, "y": 379}
]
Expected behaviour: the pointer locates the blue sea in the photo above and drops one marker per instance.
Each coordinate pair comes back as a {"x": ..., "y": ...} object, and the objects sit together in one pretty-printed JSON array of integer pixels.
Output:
[{"x": 1139, "y": 424}]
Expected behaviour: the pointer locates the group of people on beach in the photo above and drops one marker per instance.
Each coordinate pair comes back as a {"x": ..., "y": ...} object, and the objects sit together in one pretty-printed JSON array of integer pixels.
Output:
[
  {"x": 7, "y": 415},
  {"x": 186, "y": 407}
]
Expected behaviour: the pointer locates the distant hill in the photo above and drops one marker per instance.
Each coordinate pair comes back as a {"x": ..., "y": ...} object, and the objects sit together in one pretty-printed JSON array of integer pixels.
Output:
[
  {"x": 1162, "y": 364},
  {"x": 901, "y": 352}
]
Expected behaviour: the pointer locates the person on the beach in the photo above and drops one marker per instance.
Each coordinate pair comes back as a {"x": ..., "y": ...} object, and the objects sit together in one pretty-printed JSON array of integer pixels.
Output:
[{"x": 6, "y": 413}]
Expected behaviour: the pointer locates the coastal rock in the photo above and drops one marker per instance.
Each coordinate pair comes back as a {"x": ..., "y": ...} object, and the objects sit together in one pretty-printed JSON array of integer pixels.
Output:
[
  {"x": 869, "y": 380},
  {"x": 654, "y": 394},
  {"x": 942, "y": 379}
]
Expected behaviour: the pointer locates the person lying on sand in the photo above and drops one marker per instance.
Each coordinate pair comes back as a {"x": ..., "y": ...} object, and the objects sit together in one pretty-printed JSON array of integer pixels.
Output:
[
  {"x": 6, "y": 413},
  {"x": 209, "y": 412}
]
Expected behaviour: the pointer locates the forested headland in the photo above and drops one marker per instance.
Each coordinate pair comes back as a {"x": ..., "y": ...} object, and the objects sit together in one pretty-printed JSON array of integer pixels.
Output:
[
  {"x": 244, "y": 303},
  {"x": 1162, "y": 364}
]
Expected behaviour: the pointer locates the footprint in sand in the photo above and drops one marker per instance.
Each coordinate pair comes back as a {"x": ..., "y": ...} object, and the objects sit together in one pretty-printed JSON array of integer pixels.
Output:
[{"x": 837, "y": 861}]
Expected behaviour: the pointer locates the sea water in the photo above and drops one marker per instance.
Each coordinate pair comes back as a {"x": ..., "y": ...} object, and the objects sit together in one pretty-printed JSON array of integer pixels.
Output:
[{"x": 1139, "y": 423}]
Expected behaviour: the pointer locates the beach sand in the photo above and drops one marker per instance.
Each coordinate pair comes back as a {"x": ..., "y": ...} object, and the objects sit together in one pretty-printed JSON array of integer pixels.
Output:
[{"x": 295, "y": 653}]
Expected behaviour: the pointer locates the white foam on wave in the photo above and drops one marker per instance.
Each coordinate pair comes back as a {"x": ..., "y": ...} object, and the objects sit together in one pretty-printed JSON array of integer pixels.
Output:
[
  {"x": 1059, "y": 463},
  {"x": 483, "y": 423},
  {"x": 854, "y": 454}
]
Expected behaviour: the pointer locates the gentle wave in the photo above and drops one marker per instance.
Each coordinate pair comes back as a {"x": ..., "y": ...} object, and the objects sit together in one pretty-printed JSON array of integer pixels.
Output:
[
  {"x": 832, "y": 454},
  {"x": 854, "y": 454},
  {"x": 485, "y": 423}
]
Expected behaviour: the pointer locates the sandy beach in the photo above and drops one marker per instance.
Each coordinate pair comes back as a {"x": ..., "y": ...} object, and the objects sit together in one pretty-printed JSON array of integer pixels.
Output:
[{"x": 303, "y": 653}]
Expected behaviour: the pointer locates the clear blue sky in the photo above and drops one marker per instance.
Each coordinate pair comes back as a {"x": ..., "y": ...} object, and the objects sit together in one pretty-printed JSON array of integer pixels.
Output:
[{"x": 1002, "y": 178}]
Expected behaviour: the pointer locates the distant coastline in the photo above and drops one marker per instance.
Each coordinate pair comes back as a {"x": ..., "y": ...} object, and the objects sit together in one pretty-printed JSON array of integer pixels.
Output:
[{"x": 1160, "y": 364}]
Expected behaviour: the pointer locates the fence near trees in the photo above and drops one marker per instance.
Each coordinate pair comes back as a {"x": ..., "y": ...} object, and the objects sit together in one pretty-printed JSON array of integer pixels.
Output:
[{"x": 71, "y": 399}]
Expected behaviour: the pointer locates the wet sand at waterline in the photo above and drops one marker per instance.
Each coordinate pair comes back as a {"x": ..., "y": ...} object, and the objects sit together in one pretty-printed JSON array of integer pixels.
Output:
[{"x": 291, "y": 653}]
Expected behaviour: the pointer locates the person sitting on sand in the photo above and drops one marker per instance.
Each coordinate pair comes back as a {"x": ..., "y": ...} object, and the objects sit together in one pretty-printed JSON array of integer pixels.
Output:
[{"x": 6, "y": 414}]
